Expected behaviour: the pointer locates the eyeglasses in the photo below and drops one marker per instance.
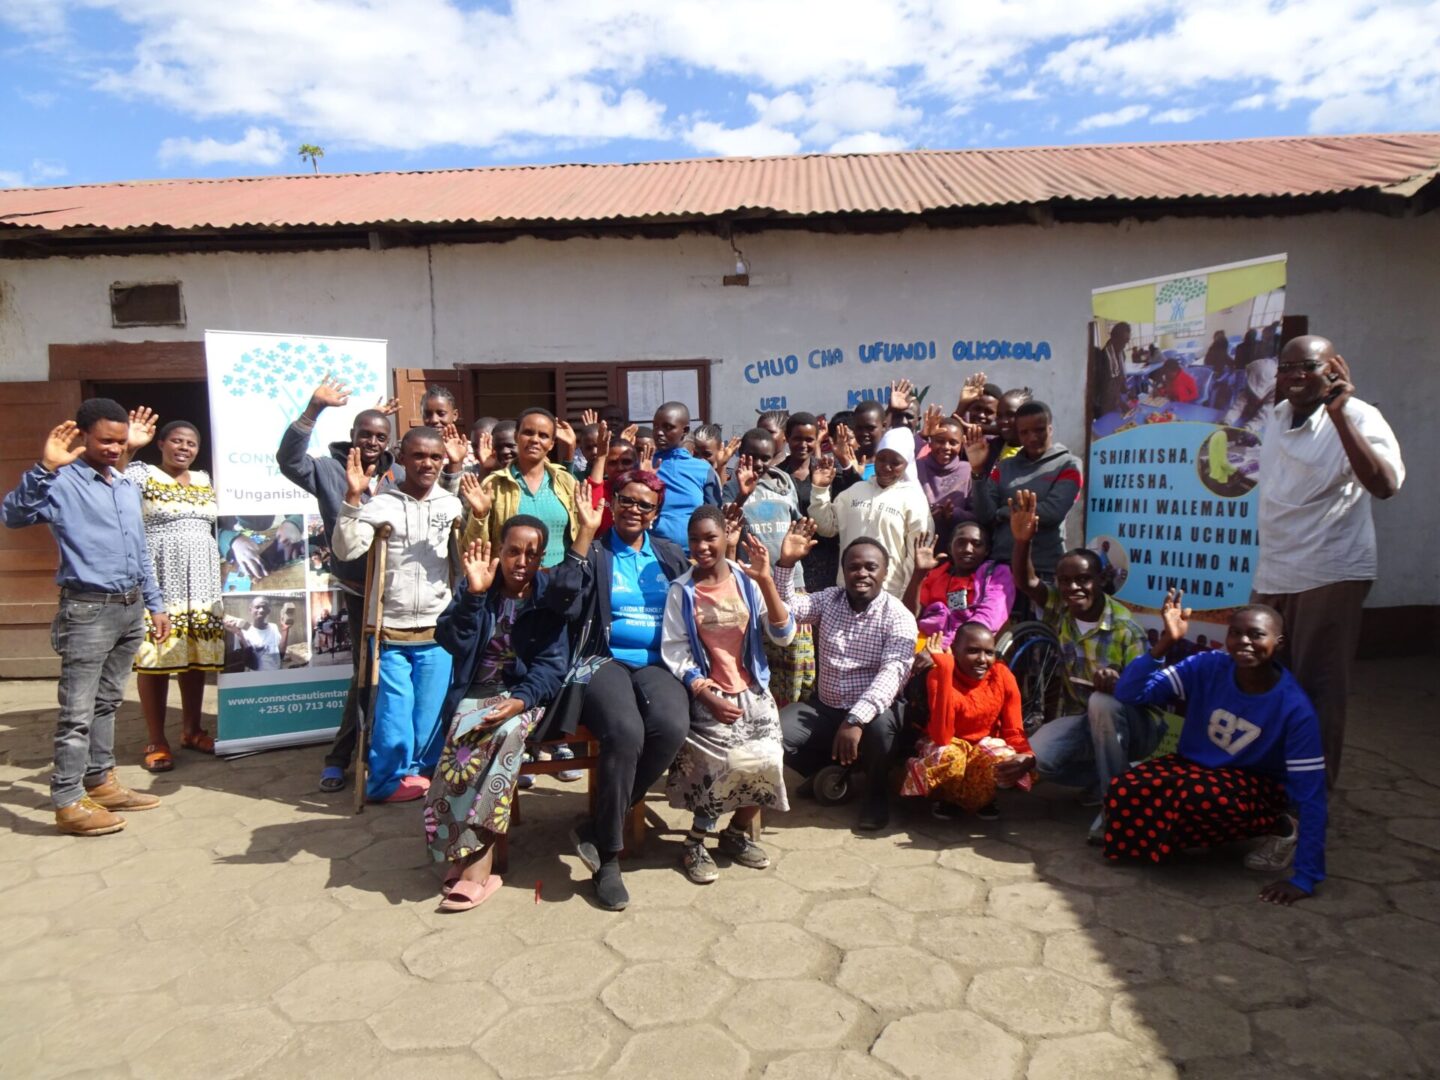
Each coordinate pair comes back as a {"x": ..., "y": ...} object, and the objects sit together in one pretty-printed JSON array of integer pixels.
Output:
[
  {"x": 1303, "y": 365},
  {"x": 627, "y": 503}
]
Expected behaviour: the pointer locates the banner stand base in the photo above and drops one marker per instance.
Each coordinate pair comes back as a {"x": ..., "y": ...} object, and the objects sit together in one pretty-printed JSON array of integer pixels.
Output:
[{"x": 257, "y": 744}]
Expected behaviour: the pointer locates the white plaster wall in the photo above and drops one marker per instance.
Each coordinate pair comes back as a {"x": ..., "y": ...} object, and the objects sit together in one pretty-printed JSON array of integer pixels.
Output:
[{"x": 1368, "y": 282}]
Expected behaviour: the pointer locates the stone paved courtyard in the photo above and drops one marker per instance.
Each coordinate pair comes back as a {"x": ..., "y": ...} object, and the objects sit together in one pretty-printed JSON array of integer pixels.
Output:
[{"x": 252, "y": 927}]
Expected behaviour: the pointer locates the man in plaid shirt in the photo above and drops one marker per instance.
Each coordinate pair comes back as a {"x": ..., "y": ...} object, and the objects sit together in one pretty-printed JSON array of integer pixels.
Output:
[
  {"x": 1101, "y": 736},
  {"x": 864, "y": 646}
]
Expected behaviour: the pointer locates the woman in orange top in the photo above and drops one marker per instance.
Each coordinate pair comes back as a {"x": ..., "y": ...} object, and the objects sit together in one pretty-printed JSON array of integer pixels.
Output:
[{"x": 975, "y": 741}]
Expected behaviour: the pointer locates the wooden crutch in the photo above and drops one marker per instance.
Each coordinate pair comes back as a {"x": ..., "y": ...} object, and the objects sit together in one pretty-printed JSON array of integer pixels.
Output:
[{"x": 370, "y": 638}]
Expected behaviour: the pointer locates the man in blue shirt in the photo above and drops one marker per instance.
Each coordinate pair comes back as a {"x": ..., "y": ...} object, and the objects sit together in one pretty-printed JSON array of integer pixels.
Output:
[
  {"x": 689, "y": 482},
  {"x": 107, "y": 582}
]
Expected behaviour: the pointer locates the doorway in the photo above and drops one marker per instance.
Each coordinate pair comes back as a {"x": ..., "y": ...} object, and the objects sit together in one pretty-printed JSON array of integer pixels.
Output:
[{"x": 188, "y": 400}]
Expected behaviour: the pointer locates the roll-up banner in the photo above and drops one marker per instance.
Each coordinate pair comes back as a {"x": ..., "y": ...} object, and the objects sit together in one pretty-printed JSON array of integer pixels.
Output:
[{"x": 288, "y": 639}]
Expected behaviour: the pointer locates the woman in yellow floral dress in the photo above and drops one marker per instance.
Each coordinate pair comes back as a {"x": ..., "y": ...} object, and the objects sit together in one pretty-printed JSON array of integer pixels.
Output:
[{"x": 180, "y": 511}]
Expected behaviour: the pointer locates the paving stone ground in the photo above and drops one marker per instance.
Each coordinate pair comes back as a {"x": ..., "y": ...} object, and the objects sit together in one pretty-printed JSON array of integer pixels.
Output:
[{"x": 253, "y": 927}]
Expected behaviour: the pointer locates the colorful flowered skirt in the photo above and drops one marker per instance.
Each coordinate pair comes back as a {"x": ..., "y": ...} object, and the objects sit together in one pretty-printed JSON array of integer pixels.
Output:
[
  {"x": 1169, "y": 804},
  {"x": 723, "y": 767},
  {"x": 792, "y": 667},
  {"x": 961, "y": 773},
  {"x": 470, "y": 798}
]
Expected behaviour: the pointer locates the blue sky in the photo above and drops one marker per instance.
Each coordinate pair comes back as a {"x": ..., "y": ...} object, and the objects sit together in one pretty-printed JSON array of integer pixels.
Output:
[{"x": 95, "y": 90}]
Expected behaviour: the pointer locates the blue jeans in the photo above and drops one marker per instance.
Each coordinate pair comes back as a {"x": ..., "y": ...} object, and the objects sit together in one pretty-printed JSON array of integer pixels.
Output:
[
  {"x": 406, "y": 736},
  {"x": 1094, "y": 747},
  {"x": 97, "y": 644}
]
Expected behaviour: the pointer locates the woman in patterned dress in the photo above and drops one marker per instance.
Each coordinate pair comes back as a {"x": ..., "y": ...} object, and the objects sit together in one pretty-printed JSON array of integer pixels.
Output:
[
  {"x": 180, "y": 510},
  {"x": 510, "y": 654}
]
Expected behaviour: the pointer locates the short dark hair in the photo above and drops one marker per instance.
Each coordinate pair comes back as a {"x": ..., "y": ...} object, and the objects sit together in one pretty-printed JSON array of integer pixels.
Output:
[
  {"x": 707, "y": 512},
  {"x": 535, "y": 410},
  {"x": 638, "y": 476},
  {"x": 585, "y": 431},
  {"x": 748, "y": 440},
  {"x": 526, "y": 521},
  {"x": 974, "y": 624},
  {"x": 800, "y": 419},
  {"x": 508, "y": 426},
  {"x": 844, "y": 416},
  {"x": 1092, "y": 560},
  {"x": 980, "y": 527},
  {"x": 176, "y": 425},
  {"x": 368, "y": 414},
  {"x": 675, "y": 407},
  {"x": 444, "y": 394},
  {"x": 93, "y": 410},
  {"x": 991, "y": 390},
  {"x": 485, "y": 423},
  {"x": 865, "y": 541},
  {"x": 421, "y": 432},
  {"x": 1034, "y": 408},
  {"x": 951, "y": 421},
  {"x": 869, "y": 407},
  {"x": 1261, "y": 609}
]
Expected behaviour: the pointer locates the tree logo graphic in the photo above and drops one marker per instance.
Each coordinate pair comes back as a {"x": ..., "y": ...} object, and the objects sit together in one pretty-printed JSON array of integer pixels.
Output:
[
  {"x": 286, "y": 373},
  {"x": 1179, "y": 293}
]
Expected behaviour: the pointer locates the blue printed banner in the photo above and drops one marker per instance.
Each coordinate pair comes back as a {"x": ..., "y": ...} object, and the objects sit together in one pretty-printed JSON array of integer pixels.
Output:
[{"x": 1181, "y": 382}]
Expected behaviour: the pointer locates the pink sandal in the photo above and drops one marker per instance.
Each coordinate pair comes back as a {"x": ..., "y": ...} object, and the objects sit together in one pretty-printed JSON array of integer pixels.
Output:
[
  {"x": 466, "y": 894},
  {"x": 450, "y": 879}
]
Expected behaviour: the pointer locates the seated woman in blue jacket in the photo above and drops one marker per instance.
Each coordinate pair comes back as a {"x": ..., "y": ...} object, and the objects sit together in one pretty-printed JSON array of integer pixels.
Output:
[
  {"x": 1250, "y": 749},
  {"x": 717, "y": 618},
  {"x": 510, "y": 652}
]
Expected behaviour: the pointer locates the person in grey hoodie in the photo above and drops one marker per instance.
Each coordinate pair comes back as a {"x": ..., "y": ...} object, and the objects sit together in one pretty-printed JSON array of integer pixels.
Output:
[
  {"x": 414, "y": 669},
  {"x": 1043, "y": 466}
]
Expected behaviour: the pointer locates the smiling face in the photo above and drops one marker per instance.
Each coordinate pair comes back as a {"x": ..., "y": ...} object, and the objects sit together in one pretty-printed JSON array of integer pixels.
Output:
[
  {"x": 974, "y": 650},
  {"x": 259, "y": 611},
  {"x": 803, "y": 440},
  {"x": 178, "y": 449},
  {"x": 1303, "y": 375},
  {"x": 671, "y": 427},
  {"x": 889, "y": 467},
  {"x": 1079, "y": 587},
  {"x": 707, "y": 543},
  {"x": 438, "y": 411},
  {"x": 1033, "y": 434},
  {"x": 422, "y": 457},
  {"x": 370, "y": 436},
  {"x": 534, "y": 439},
  {"x": 105, "y": 442},
  {"x": 985, "y": 411},
  {"x": 968, "y": 547},
  {"x": 946, "y": 442},
  {"x": 1252, "y": 638},
  {"x": 633, "y": 510},
  {"x": 864, "y": 570},
  {"x": 502, "y": 439},
  {"x": 520, "y": 553}
]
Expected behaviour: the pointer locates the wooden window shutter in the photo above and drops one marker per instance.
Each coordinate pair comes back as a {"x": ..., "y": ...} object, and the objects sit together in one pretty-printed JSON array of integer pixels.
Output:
[
  {"x": 410, "y": 386},
  {"x": 584, "y": 387}
]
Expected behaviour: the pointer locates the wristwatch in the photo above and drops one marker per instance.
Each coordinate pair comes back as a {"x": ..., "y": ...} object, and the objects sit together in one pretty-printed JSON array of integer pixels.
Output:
[{"x": 851, "y": 720}]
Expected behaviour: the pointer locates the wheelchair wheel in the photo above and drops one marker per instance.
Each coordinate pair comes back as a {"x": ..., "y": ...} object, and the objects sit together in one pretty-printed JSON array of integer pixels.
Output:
[
  {"x": 1031, "y": 650},
  {"x": 832, "y": 785}
]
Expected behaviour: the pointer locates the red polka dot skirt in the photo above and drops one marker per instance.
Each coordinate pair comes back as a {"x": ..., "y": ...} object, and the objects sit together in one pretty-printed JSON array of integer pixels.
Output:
[{"x": 1169, "y": 804}]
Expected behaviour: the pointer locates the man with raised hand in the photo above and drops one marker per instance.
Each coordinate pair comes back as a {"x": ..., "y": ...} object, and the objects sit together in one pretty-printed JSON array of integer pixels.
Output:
[{"x": 107, "y": 583}]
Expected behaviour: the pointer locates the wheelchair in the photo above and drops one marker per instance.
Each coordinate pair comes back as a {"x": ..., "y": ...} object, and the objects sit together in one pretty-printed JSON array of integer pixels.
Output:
[{"x": 1031, "y": 650}]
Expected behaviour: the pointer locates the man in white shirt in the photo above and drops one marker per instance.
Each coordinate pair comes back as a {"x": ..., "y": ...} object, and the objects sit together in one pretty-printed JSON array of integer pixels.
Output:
[
  {"x": 267, "y": 642},
  {"x": 1325, "y": 454}
]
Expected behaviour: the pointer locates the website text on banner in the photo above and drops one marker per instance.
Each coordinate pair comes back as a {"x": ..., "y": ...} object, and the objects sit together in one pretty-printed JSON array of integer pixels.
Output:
[
  {"x": 1181, "y": 382},
  {"x": 288, "y": 637}
]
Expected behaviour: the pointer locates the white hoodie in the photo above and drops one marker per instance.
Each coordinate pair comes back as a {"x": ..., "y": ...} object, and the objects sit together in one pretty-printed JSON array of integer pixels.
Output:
[{"x": 417, "y": 558}]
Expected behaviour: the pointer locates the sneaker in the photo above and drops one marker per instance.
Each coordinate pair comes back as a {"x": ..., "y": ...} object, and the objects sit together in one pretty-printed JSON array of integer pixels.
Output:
[
  {"x": 526, "y": 780},
  {"x": 112, "y": 796},
  {"x": 86, "y": 817},
  {"x": 699, "y": 866},
  {"x": 988, "y": 812},
  {"x": 610, "y": 891},
  {"x": 583, "y": 838},
  {"x": 1275, "y": 853},
  {"x": 564, "y": 753},
  {"x": 736, "y": 845}
]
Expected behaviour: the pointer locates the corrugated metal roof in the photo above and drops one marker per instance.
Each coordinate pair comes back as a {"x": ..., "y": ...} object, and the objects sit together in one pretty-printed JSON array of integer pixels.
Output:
[{"x": 906, "y": 183}]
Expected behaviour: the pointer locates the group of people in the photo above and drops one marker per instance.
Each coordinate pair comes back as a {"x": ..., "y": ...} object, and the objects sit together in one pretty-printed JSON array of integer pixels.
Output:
[{"x": 817, "y": 592}]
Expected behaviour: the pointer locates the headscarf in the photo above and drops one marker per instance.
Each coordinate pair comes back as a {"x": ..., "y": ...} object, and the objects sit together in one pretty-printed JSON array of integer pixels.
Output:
[{"x": 902, "y": 441}]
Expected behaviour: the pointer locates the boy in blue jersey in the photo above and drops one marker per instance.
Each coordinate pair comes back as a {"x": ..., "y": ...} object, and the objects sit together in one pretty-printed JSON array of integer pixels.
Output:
[
  {"x": 1249, "y": 749},
  {"x": 689, "y": 481}
]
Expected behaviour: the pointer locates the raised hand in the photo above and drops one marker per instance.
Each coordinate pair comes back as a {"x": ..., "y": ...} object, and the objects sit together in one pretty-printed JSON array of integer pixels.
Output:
[
  {"x": 822, "y": 472},
  {"x": 747, "y": 476},
  {"x": 798, "y": 542},
  {"x": 475, "y": 495},
  {"x": 330, "y": 394},
  {"x": 842, "y": 440},
  {"x": 734, "y": 524},
  {"x": 457, "y": 446},
  {"x": 726, "y": 452},
  {"x": 357, "y": 477},
  {"x": 931, "y": 421},
  {"x": 645, "y": 460},
  {"x": 1341, "y": 389},
  {"x": 629, "y": 432},
  {"x": 143, "y": 422},
  {"x": 1175, "y": 618},
  {"x": 564, "y": 436},
  {"x": 389, "y": 408},
  {"x": 902, "y": 395},
  {"x": 977, "y": 447},
  {"x": 758, "y": 568},
  {"x": 1024, "y": 521},
  {"x": 589, "y": 416},
  {"x": 972, "y": 390},
  {"x": 822, "y": 430},
  {"x": 485, "y": 452},
  {"x": 602, "y": 442},
  {"x": 64, "y": 444},
  {"x": 925, "y": 557},
  {"x": 588, "y": 517},
  {"x": 479, "y": 566}
]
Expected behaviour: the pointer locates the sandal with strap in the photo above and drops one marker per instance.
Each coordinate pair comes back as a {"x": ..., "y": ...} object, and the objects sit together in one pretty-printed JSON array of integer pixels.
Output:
[
  {"x": 157, "y": 758},
  {"x": 466, "y": 894},
  {"x": 200, "y": 741}
]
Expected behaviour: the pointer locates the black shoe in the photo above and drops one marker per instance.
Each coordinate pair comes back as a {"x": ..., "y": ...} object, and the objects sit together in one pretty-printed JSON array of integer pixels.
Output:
[
  {"x": 610, "y": 891},
  {"x": 583, "y": 837},
  {"x": 875, "y": 816},
  {"x": 944, "y": 811},
  {"x": 988, "y": 812}
]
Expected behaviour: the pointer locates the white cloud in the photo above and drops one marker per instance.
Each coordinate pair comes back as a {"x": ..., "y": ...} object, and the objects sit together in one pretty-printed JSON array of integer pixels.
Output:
[
  {"x": 9, "y": 179},
  {"x": 258, "y": 146},
  {"x": 756, "y": 140},
  {"x": 1248, "y": 104},
  {"x": 38, "y": 174},
  {"x": 1127, "y": 115},
  {"x": 40, "y": 99},
  {"x": 1179, "y": 116},
  {"x": 868, "y": 142}
]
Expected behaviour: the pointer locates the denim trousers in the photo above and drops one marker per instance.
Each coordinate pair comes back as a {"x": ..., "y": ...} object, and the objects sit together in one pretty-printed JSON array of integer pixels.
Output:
[
  {"x": 407, "y": 736},
  {"x": 1091, "y": 748},
  {"x": 97, "y": 644}
]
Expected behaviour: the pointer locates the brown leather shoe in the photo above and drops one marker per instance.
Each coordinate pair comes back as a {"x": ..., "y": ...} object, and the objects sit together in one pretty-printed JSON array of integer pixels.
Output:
[
  {"x": 112, "y": 796},
  {"x": 85, "y": 817}
]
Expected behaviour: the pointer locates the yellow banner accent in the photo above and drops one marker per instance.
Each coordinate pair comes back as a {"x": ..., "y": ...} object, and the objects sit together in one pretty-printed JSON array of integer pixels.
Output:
[
  {"x": 1133, "y": 305},
  {"x": 1231, "y": 287}
]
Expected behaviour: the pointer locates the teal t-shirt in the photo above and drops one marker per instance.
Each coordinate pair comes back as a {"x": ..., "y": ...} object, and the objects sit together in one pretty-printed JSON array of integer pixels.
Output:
[
  {"x": 638, "y": 588},
  {"x": 546, "y": 506}
]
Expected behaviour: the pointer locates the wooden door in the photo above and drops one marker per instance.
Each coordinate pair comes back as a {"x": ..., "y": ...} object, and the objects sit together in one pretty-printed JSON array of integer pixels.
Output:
[
  {"x": 28, "y": 557},
  {"x": 410, "y": 387}
]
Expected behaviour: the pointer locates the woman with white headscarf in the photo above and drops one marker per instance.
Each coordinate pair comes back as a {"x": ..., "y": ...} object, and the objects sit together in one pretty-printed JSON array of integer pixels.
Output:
[{"x": 891, "y": 508}]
